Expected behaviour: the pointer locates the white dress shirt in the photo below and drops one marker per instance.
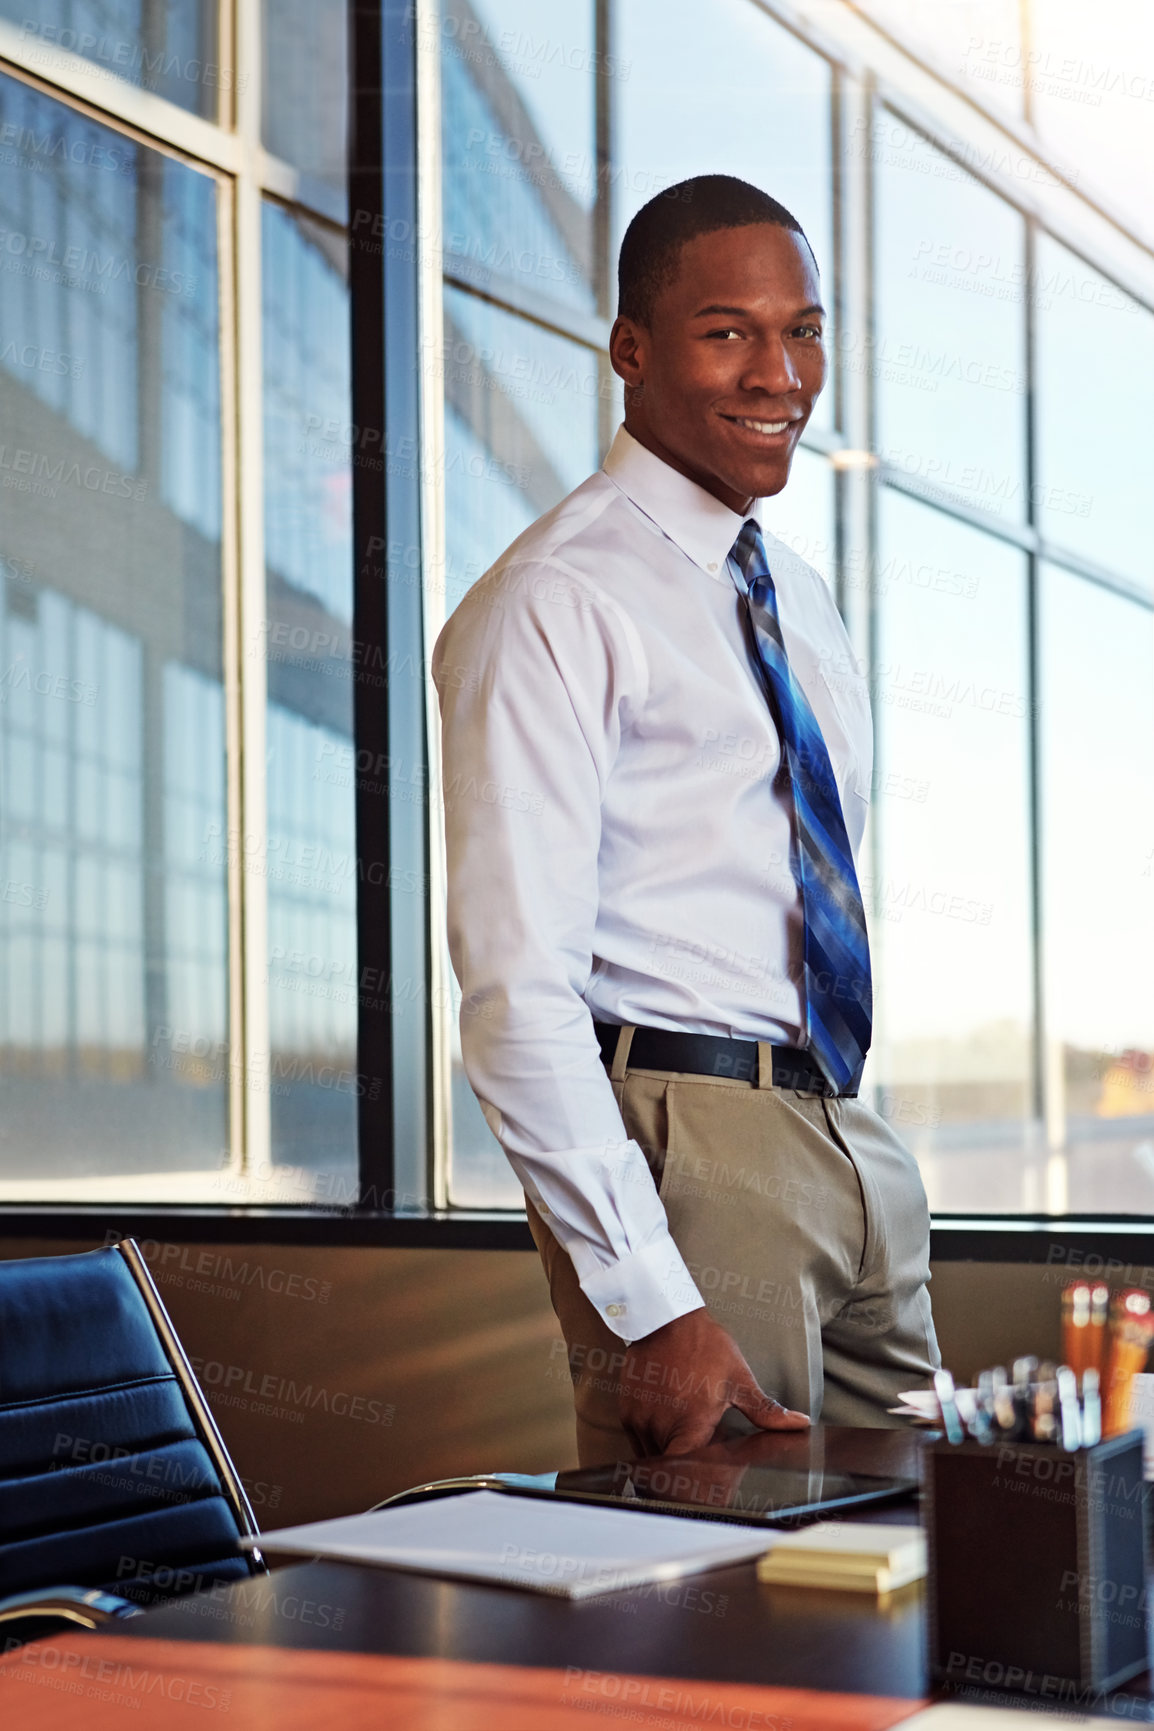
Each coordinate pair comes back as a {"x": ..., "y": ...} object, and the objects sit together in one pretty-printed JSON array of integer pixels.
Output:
[{"x": 616, "y": 848}]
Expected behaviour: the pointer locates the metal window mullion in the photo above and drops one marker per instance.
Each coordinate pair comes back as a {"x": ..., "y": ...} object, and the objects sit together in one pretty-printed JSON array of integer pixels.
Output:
[
  {"x": 1049, "y": 1080},
  {"x": 604, "y": 216},
  {"x": 233, "y": 722},
  {"x": 862, "y": 265},
  {"x": 221, "y": 145},
  {"x": 226, "y": 45},
  {"x": 248, "y": 820},
  {"x": 408, "y": 1028},
  {"x": 856, "y": 485},
  {"x": 1026, "y": 35},
  {"x": 112, "y": 99},
  {"x": 435, "y": 576},
  {"x": 854, "y": 382},
  {"x": 527, "y": 303}
]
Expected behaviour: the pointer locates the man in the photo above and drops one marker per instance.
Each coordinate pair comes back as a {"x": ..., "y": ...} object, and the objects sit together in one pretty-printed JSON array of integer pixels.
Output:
[{"x": 661, "y": 752}]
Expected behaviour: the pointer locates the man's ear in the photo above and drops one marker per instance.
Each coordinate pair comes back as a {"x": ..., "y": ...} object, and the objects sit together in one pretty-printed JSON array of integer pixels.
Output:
[{"x": 627, "y": 344}]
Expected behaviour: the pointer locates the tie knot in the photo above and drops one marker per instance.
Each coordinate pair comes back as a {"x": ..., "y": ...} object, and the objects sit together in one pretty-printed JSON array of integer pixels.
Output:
[{"x": 748, "y": 552}]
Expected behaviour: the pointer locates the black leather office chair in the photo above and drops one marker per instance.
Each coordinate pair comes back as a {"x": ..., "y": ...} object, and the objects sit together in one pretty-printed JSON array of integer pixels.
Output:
[{"x": 115, "y": 1487}]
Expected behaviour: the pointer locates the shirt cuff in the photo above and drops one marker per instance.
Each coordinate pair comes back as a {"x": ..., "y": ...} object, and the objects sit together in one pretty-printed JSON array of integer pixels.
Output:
[{"x": 642, "y": 1291}]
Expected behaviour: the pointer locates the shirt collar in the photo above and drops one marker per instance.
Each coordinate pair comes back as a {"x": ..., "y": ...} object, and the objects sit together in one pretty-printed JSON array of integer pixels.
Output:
[{"x": 699, "y": 524}]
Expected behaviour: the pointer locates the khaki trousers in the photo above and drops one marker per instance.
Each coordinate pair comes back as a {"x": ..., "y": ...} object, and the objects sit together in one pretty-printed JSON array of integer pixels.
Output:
[{"x": 805, "y": 1226}]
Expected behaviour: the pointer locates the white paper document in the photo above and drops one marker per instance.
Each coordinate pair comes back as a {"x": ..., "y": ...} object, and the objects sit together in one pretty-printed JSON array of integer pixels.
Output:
[{"x": 552, "y": 1547}]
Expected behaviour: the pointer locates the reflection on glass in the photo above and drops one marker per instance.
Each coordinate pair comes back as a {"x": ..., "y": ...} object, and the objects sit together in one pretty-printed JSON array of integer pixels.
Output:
[
  {"x": 521, "y": 417},
  {"x": 167, "y": 47},
  {"x": 950, "y": 911},
  {"x": 75, "y": 860},
  {"x": 304, "y": 86},
  {"x": 518, "y": 146},
  {"x": 308, "y": 449},
  {"x": 949, "y": 356},
  {"x": 740, "y": 97},
  {"x": 1097, "y": 712},
  {"x": 312, "y": 875},
  {"x": 111, "y": 705},
  {"x": 802, "y": 515},
  {"x": 313, "y": 880},
  {"x": 190, "y": 455},
  {"x": 977, "y": 43},
  {"x": 1095, "y": 371},
  {"x": 196, "y": 907}
]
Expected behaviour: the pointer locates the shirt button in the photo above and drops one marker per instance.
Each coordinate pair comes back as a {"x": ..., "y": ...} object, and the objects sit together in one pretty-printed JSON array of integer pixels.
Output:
[
  {"x": 712, "y": 566},
  {"x": 615, "y": 1310}
]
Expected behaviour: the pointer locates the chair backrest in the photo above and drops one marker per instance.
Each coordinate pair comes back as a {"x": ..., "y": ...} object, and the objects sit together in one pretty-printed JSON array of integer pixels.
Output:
[{"x": 112, "y": 1471}]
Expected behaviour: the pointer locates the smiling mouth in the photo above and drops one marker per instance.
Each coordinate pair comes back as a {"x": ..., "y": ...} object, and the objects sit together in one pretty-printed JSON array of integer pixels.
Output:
[{"x": 766, "y": 428}]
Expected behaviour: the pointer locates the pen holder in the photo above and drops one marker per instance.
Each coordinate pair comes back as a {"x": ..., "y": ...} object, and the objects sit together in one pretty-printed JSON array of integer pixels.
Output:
[{"x": 1037, "y": 1565}]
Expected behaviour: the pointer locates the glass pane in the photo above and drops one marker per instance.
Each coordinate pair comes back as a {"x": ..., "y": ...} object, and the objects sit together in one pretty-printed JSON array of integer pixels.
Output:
[
  {"x": 305, "y": 96},
  {"x": 521, "y": 421},
  {"x": 950, "y": 349},
  {"x": 111, "y": 705},
  {"x": 950, "y": 902},
  {"x": 803, "y": 514},
  {"x": 168, "y": 47},
  {"x": 678, "y": 112},
  {"x": 1097, "y": 662},
  {"x": 312, "y": 860},
  {"x": 977, "y": 43},
  {"x": 519, "y": 155},
  {"x": 521, "y": 409},
  {"x": 1091, "y": 82},
  {"x": 1093, "y": 468}
]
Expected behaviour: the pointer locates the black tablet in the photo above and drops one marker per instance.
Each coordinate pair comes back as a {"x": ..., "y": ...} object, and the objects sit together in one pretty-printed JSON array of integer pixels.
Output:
[{"x": 751, "y": 1492}]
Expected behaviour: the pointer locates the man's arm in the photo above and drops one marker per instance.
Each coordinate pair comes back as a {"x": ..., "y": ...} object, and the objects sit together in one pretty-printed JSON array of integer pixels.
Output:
[{"x": 537, "y": 676}]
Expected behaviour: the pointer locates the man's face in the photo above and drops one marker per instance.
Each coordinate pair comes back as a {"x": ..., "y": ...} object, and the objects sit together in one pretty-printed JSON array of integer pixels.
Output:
[{"x": 731, "y": 364}]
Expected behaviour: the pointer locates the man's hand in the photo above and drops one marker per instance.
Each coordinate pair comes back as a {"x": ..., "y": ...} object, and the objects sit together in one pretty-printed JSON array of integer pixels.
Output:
[{"x": 678, "y": 1381}]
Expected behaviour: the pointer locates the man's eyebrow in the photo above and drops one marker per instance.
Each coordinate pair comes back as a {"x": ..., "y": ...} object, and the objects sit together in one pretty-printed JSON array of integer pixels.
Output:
[{"x": 743, "y": 312}]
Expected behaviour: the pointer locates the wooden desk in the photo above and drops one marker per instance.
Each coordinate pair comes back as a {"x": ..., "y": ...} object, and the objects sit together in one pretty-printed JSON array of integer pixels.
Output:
[{"x": 325, "y": 1643}]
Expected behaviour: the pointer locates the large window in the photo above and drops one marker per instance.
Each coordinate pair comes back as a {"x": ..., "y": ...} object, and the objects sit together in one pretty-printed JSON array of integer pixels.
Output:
[
  {"x": 271, "y": 404},
  {"x": 117, "y": 1026},
  {"x": 1097, "y": 807},
  {"x": 177, "y": 848},
  {"x": 1011, "y": 1048}
]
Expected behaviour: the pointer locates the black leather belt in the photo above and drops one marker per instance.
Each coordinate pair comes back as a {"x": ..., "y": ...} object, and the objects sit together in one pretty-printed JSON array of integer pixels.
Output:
[{"x": 713, "y": 1055}]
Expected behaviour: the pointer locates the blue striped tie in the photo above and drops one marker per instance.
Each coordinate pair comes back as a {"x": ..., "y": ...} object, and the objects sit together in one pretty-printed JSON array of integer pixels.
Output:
[{"x": 838, "y": 989}]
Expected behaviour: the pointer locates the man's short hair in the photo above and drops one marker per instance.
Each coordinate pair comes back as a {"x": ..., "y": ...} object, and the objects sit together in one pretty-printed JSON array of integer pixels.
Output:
[{"x": 653, "y": 241}]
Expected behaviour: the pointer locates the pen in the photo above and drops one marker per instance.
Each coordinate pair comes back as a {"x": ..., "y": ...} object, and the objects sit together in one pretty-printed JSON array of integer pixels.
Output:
[
  {"x": 1075, "y": 1324},
  {"x": 1095, "y": 1348}
]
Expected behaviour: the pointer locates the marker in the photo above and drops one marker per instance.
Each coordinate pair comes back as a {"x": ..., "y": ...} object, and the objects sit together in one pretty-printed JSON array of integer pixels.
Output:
[{"x": 1068, "y": 1408}]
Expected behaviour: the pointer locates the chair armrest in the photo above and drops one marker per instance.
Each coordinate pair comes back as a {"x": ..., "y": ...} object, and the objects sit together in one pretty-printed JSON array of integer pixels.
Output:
[
  {"x": 88, "y": 1606},
  {"x": 469, "y": 1482}
]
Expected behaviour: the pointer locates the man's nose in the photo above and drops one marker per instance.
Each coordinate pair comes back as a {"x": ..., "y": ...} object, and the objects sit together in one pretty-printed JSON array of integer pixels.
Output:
[{"x": 772, "y": 368}]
